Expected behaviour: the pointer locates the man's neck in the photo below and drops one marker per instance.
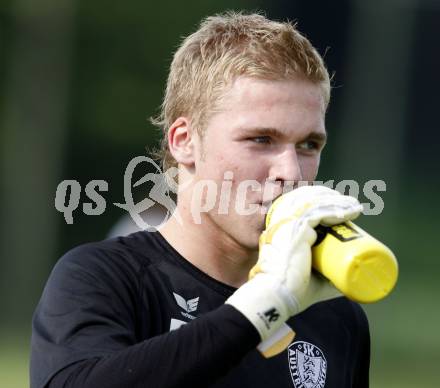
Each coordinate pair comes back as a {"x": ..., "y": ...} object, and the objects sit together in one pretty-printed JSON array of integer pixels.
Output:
[{"x": 210, "y": 249}]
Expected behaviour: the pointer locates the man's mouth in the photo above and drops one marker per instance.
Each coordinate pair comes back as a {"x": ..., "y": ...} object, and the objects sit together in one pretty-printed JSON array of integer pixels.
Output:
[
  {"x": 268, "y": 203},
  {"x": 264, "y": 206}
]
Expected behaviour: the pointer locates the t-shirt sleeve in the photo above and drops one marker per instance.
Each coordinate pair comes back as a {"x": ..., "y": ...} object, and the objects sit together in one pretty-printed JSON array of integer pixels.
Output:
[{"x": 85, "y": 332}]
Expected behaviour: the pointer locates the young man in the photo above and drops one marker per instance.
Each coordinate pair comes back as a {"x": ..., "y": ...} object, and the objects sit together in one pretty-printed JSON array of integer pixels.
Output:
[{"x": 243, "y": 119}]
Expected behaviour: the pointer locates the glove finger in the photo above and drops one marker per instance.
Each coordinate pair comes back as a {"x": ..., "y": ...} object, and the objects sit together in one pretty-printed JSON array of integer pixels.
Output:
[
  {"x": 331, "y": 211},
  {"x": 321, "y": 289},
  {"x": 296, "y": 202}
]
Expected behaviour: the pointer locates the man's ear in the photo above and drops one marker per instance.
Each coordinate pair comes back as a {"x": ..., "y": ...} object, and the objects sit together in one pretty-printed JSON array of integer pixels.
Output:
[{"x": 181, "y": 141}]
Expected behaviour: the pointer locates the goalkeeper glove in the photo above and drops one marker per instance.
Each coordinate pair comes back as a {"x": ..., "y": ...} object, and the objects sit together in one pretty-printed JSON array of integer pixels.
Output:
[{"x": 282, "y": 284}]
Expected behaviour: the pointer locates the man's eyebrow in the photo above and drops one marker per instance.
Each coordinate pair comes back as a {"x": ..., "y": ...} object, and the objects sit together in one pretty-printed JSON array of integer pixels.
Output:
[
  {"x": 263, "y": 131},
  {"x": 320, "y": 137}
]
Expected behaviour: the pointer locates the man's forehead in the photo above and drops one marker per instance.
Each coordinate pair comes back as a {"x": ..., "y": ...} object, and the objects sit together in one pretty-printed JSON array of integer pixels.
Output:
[{"x": 249, "y": 91}]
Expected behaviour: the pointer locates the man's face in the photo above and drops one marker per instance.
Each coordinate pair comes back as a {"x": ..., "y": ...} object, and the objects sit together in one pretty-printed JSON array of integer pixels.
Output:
[{"x": 267, "y": 132}]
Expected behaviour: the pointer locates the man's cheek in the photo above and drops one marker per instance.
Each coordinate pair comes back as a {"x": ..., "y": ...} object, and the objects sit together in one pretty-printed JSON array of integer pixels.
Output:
[
  {"x": 309, "y": 169},
  {"x": 247, "y": 197}
]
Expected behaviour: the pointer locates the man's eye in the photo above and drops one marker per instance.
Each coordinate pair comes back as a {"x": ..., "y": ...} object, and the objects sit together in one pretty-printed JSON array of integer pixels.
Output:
[
  {"x": 309, "y": 145},
  {"x": 261, "y": 139}
]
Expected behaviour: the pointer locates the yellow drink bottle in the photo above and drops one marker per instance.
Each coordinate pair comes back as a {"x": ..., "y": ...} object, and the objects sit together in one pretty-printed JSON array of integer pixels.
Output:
[{"x": 360, "y": 266}]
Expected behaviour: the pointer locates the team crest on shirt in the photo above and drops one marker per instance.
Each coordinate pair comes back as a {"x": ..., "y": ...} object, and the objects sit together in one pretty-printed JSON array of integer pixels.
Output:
[{"x": 307, "y": 365}]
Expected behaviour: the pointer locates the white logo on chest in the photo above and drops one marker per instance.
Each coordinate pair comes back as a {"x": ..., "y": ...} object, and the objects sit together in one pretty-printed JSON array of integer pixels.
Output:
[
  {"x": 307, "y": 365},
  {"x": 189, "y": 305}
]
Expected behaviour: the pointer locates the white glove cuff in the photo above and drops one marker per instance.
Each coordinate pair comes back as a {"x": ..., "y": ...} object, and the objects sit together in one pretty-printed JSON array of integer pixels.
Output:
[{"x": 265, "y": 302}]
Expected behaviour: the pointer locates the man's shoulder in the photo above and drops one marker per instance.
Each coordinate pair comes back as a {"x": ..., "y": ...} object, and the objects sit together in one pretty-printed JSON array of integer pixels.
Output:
[
  {"x": 125, "y": 255},
  {"x": 340, "y": 312},
  {"x": 350, "y": 312},
  {"x": 345, "y": 306}
]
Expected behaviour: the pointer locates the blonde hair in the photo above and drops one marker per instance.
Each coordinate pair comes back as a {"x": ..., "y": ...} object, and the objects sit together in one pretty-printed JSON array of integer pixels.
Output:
[{"x": 224, "y": 47}]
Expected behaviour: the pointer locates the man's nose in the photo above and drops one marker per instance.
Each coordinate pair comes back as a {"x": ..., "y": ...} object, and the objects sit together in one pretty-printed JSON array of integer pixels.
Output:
[{"x": 286, "y": 166}]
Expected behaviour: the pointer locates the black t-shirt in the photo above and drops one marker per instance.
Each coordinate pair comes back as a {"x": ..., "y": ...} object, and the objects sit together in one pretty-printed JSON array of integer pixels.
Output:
[{"x": 132, "y": 312}]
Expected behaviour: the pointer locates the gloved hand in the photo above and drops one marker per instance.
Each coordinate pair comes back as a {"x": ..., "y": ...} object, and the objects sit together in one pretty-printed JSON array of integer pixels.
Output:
[{"x": 282, "y": 284}]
